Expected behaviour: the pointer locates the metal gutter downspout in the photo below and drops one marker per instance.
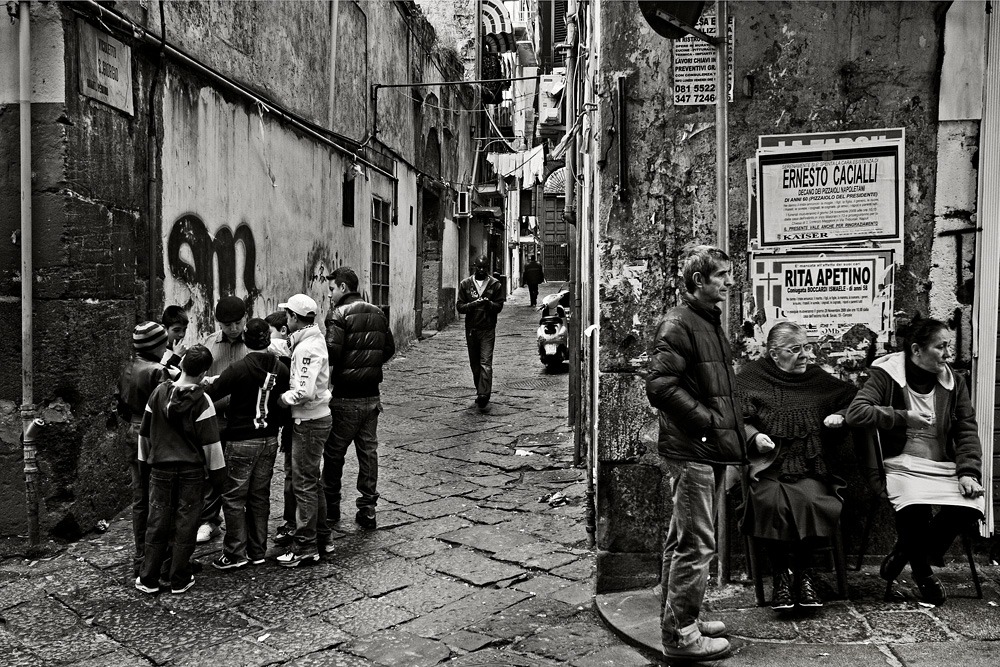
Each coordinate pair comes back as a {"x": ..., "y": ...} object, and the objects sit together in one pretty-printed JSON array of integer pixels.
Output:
[{"x": 27, "y": 276}]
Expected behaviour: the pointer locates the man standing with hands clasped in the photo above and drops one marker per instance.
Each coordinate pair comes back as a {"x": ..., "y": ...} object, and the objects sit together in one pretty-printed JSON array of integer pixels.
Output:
[
  {"x": 480, "y": 298},
  {"x": 691, "y": 383}
]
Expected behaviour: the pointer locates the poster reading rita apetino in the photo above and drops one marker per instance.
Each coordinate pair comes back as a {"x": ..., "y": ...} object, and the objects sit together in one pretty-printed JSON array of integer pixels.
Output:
[
  {"x": 827, "y": 293},
  {"x": 829, "y": 196}
]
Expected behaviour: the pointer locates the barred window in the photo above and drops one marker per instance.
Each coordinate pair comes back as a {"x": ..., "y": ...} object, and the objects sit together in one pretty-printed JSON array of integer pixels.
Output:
[{"x": 381, "y": 216}]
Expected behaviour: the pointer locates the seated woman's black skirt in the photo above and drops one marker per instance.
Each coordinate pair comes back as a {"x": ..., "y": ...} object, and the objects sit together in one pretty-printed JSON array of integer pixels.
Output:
[{"x": 791, "y": 509}]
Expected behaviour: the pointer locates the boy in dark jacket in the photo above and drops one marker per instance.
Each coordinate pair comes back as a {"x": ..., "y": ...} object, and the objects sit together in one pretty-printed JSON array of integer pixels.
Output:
[
  {"x": 178, "y": 442},
  {"x": 691, "y": 383},
  {"x": 253, "y": 385},
  {"x": 359, "y": 341},
  {"x": 139, "y": 378}
]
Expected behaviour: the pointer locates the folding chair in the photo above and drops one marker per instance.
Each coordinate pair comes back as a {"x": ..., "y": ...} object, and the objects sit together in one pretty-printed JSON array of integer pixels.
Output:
[{"x": 873, "y": 468}]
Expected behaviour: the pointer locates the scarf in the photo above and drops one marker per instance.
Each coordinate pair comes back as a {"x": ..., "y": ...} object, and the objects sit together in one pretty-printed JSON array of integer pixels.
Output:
[{"x": 790, "y": 408}]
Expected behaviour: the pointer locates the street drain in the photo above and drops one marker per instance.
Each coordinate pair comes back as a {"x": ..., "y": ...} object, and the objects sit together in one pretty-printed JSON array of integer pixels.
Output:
[{"x": 536, "y": 383}]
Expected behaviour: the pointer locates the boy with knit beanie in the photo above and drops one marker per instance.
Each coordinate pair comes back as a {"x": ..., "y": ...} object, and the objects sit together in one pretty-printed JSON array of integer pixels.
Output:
[{"x": 141, "y": 375}]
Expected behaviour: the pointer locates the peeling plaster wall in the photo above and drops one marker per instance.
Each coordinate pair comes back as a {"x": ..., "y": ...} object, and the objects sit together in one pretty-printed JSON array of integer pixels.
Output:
[
  {"x": 256, "y": 208},
  {"x": 799, "y": 67}
]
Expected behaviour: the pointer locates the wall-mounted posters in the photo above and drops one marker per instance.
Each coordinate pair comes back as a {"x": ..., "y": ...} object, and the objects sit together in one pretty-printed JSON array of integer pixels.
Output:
[
  {"x": 826, "y": 292},
  {"x": 823, "y": 189}
]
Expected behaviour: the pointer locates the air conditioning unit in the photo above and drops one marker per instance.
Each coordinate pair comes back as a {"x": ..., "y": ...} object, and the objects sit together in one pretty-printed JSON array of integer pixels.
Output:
[{"x": 463, "y": 206}]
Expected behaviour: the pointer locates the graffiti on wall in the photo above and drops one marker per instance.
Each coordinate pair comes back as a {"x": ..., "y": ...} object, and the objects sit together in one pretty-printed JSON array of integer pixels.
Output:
[{"x": 196, "y": 268}]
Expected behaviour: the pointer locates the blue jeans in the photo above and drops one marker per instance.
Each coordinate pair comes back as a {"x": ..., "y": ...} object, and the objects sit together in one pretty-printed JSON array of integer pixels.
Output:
[
  {"x": 288, "y": 513},
  {"x": 140, "y": 497},
  {"x": 689, "y": 545},
  {"x": 480, "y": 343},
  {"x": 308, "y": 439},
  {"x": 354, "y": 419},
  {"x": 175, "y": 501},
  {"x": 246, "y": 499}
]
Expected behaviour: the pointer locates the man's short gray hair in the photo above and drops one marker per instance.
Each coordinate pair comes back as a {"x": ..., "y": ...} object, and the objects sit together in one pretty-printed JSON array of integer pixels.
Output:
[{"x": 700, "y": 258}]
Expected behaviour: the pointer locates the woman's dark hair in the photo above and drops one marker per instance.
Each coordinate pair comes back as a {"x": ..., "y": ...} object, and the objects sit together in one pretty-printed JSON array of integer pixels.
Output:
[
  {"x": 920, "y": 331},
  {"x": 257, "y": 334}
]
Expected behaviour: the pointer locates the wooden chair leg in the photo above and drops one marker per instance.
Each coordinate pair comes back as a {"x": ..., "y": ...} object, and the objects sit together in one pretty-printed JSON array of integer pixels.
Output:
[
  {"x": 755, "y": 573},
  {"x": 866, "y": 533},
  {"x": 840, "y": 563},
  {"x": 967, "y": 543}
]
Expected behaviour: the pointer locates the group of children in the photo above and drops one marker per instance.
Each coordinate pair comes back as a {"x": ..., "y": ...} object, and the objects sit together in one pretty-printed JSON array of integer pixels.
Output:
[{"x": 168, "y": 394}]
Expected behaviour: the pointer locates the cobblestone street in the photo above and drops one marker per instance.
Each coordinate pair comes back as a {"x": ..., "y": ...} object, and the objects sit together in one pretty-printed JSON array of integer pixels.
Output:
[{"x": 480, "y": 556}]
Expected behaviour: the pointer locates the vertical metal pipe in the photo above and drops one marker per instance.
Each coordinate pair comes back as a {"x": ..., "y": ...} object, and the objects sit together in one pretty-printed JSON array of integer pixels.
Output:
[
  {"x": 27, "y": 274},
  {"x": 569, "y": 214},
  {"x": 722, "y": 195}
]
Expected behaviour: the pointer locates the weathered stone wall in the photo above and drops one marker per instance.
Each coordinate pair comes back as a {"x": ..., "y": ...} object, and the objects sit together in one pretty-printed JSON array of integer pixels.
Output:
[
  {"x": 799, "y": 67},
  {"x": 227, "y": 175}
]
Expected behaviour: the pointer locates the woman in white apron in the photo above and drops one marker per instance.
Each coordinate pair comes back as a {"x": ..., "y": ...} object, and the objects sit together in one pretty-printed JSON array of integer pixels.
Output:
[{"x": 927, "y": 428}]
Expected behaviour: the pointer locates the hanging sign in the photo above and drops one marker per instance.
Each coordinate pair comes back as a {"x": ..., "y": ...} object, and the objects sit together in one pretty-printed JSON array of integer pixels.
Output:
[
  {"x": 105, "y": 68},
  {"x": 827, "y": 293},
  {"x": 695, "y": 65}
]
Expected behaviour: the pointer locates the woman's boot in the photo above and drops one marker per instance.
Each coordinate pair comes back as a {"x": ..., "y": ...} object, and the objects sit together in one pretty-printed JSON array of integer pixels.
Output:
[
  {"x": 781, "y": 597},
  {"x": 805, "y": 589}
]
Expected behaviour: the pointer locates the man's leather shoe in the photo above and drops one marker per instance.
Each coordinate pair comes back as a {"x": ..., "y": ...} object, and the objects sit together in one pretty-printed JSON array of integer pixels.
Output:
[
  {"x": 712, "y": 628},
  {"x": 702, "y": 648}
]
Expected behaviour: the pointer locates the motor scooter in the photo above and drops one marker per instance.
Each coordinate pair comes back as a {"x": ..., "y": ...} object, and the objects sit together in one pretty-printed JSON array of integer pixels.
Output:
[{"x": 553, "y": 336}]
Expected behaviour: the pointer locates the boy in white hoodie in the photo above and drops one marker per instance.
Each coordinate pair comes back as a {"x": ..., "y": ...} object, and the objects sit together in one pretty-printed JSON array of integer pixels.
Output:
[{"x": 309, "y": 399}]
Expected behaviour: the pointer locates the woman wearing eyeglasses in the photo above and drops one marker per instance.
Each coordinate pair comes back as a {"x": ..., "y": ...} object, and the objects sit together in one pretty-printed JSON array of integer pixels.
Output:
[
  {"x": 791, "y": 410},
  {"x": 927, "y": 428}
]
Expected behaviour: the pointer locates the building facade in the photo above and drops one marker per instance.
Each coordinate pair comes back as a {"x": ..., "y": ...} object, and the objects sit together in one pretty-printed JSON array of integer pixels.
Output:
[{"x": 185, "y": 151}]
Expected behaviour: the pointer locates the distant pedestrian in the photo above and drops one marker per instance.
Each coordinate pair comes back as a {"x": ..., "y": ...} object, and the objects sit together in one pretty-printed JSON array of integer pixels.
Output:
[
  {"x": 691, "y": 383},
  {"x": 359, "y": 341},
  {"x": 141, "y": 375},
  {"x": 532, "y": 276},
  {"x": 480, "y": 298},
  {"x": 178, "y": 443},
  {"x": 253, "y": 384},
  {"x": 309, "y": 399},
  {"x": 226, "y": 346}
]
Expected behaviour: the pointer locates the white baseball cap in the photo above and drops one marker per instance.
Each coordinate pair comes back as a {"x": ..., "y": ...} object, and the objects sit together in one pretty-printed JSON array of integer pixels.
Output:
[{"x": 300, "y": 304}]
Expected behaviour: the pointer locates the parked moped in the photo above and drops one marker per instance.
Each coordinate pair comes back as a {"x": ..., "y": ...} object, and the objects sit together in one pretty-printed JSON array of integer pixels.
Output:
[{"x": 553, "y": 336}]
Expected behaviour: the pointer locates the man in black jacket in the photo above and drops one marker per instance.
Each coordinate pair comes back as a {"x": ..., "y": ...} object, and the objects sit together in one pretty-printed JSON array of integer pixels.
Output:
[
  {"x": 532, "y": 276},
  {"x": 691, "y": 383},
  {"x": 480, "y": 298},
  {"x": 359, "y": 341}
]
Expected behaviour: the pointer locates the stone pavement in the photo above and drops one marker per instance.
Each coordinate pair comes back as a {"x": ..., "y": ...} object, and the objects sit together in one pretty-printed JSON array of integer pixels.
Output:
[{"x": 480, "y": 559}]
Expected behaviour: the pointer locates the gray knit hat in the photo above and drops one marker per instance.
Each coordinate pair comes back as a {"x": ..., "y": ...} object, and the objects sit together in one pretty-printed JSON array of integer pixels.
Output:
[{"x": 148, "y": 336}]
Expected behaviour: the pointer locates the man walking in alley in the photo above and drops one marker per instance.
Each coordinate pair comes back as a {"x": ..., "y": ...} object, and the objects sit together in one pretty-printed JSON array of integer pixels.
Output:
[
  {"x": 359, "y": 341},
  {"x": 480, "y": 299},
  {"x": 309, "y": 398},
  {"x": 691, "y": 383},
  {"x": 532, "y": 276},
  {"x": 226, "y": 346}
]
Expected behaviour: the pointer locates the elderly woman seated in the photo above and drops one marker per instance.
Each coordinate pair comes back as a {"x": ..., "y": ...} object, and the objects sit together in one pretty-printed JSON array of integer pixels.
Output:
[
  {"x": 790, "y": 408},
  {"x": 929, "y": 437}
]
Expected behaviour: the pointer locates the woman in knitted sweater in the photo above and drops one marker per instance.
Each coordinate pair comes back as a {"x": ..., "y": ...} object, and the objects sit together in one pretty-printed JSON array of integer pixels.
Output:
[
  {"x": 790, "y": 411},
  {"x": 927, "y": 429}
]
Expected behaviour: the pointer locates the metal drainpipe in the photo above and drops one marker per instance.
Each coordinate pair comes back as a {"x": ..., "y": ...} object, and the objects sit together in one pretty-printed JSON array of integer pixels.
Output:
[
  {"x": 569, "y": 212},
  {"x": 27, "y": 276}
]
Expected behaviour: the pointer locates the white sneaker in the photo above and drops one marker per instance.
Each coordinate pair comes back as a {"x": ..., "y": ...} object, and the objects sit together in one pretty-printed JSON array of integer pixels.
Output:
[{"x": 206, "y": 532}]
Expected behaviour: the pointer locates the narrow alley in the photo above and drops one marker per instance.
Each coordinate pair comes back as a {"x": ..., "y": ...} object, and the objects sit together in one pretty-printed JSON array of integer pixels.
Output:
[{"x": 480, "y": 557}]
